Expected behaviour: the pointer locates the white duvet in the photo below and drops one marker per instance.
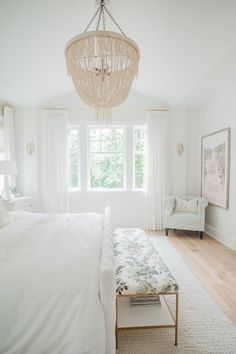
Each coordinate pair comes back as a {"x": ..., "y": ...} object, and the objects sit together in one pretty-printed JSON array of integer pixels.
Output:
[{"x": 49, "y": 284}]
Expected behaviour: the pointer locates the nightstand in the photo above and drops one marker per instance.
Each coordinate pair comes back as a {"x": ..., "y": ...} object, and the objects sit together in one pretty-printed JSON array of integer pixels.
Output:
[{"x": 20, "y": 203}]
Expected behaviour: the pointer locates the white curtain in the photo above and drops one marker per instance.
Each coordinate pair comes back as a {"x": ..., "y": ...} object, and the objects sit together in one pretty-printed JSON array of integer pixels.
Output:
[
  {"x": 9, "y": 139},
  {"x": 157, "y": 174},
  {"x": 9, "y": 134},
  {"x": 53, "y": 161}
]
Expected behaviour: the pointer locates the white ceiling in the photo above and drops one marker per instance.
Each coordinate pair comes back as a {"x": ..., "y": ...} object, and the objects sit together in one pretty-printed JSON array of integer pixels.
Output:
[{"x": 182, "y": 42}]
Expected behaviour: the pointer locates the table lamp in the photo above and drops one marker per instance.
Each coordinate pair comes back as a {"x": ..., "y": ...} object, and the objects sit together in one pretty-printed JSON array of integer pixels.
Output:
[{"x": 7, "y": 167}]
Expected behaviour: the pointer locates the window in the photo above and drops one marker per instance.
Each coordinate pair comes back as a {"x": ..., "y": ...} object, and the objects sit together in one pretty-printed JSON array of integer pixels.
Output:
[
  {"x": 106, "y": 158},
  {"x": 7, "y": 151},
  {"x": 1, "y": 152},
  {"x": 1, "y": 139},
  {"x": 140, "y": 157},
  {"x": 74, "y": 158}
]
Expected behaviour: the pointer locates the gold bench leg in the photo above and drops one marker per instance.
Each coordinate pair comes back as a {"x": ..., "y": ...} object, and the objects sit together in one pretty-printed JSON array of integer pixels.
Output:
[
  {"x": 116, "y": 322},
  {"x": 176, "y": 317}
]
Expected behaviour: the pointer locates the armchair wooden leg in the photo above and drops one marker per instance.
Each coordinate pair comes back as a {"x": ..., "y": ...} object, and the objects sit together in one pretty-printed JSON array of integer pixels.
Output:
[
  {"x": 166, "y": 230},
  {"x": 201, "y": 235}
]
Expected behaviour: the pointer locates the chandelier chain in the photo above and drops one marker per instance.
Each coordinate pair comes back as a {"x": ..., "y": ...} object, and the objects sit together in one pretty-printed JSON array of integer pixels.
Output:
[
  {"x": 92, "y": 19},
  {"x": 115, "y": 22},
  {"x": 103, "y": 20},
  {"x": 101, "y": 15},
  {"x": 99, "y": 19}
]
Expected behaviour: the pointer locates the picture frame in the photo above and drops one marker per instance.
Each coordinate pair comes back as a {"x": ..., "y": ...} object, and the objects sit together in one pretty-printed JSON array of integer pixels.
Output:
[{"x": 215, "y": 167}]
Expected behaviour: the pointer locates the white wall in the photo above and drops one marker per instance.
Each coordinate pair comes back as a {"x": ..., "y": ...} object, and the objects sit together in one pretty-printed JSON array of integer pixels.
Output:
[
  {"x": 218, "y": 113},
  {"x": 192, "y": 150},
  {"x": 177, "y": 164},
  {"x": 128, "y": 208},
  {"x": 25, "y": 120}
]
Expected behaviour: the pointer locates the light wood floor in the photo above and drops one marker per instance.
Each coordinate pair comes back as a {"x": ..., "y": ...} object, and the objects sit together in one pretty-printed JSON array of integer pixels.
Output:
[{"x": 212, "y": 263}]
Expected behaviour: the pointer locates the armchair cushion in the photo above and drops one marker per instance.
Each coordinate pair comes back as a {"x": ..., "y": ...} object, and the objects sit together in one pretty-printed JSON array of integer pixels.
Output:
[{"x": 189, "y": 206}]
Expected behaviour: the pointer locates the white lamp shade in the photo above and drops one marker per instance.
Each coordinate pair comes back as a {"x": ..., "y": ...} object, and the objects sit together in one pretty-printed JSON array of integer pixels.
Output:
[{"x": 8, "y": 167}]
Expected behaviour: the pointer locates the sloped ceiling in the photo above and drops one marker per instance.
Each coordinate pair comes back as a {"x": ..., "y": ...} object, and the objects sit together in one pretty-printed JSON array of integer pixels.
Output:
[{"x": 182, "y": 42}]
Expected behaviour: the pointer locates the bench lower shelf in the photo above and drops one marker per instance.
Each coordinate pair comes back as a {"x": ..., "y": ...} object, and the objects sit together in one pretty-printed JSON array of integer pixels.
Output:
[
  {"x": 143, "y": 316},
  {"x": 146, "y": 316}
]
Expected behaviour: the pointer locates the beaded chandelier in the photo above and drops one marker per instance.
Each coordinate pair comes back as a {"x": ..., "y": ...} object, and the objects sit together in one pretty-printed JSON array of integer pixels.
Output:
[{"x": 102, "y": 64}]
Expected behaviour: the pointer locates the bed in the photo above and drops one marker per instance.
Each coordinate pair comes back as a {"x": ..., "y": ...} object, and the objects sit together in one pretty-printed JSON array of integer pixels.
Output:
[{"x": 57, "y": 284}]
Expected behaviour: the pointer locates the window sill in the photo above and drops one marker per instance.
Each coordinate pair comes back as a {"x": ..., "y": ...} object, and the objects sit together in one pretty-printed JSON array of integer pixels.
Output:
[{"x": 71, "y": 190}]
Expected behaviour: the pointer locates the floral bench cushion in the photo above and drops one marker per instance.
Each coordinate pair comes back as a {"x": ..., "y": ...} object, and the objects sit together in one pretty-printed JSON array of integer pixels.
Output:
[{"x": 139, "y": 268}]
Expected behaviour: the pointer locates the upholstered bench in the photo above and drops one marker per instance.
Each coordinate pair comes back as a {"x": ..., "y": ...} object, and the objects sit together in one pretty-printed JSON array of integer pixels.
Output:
[{"x": 140, "y": 271}]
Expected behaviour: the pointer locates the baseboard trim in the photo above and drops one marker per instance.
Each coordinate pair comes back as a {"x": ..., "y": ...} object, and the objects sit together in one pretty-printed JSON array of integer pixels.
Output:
[{"x": 220, "y": 236}]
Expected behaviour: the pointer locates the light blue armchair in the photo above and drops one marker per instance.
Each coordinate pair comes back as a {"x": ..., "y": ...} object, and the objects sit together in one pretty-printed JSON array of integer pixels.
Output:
[{"x": 184, "y": 220}]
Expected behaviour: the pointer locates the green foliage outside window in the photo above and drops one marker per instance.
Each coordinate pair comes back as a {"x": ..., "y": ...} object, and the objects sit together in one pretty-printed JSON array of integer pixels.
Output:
[
  {"x": 139, "y": 157},
  {"x": 73, "y": 158},
  {"x": 106, "y": 158}
]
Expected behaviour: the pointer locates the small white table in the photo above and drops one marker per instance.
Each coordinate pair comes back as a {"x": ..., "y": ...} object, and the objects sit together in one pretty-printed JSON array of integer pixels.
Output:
[{"x": 20, "y": 203}]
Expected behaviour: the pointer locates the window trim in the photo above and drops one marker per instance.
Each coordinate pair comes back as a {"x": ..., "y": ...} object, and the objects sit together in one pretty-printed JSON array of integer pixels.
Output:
[
  {"x": 128, "y": 154},
  {"x": 96, "y": 126}
]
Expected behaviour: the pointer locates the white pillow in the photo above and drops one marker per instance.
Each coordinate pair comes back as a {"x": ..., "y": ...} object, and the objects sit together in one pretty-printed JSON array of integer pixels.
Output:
[
  {"x": 189, "y": 206},
  {"x": 4, "y": 216}
]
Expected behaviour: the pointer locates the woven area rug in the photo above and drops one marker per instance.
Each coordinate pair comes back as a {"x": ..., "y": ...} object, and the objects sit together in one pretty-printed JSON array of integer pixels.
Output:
[{"x": 203, "y": 328}]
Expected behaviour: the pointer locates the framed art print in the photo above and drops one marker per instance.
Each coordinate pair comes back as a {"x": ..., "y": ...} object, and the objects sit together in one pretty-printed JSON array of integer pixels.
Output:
[{"x": 216, "y": 167}]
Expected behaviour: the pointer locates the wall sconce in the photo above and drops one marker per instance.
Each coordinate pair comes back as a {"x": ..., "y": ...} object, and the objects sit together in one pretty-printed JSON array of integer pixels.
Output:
[
  {"x": 30, "y": 147},
  {"x": 180, "y": 149}
]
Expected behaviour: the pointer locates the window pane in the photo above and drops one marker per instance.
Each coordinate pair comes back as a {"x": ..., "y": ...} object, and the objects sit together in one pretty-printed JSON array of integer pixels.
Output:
[
  {"x": 139, "y": 157},
  {"x": 94, "y": 134},
  {"x": 74, "y": 139},
  {"x": 106, "y": 171},
  {"x": 95, "y": 145},
  {"x": 107, "y": 133},
  {"x": 73, "y": 170},
  {"x": 108, "y": 146},
  {"x": 140, "y": 139},
  {"x": 73, "y": 158},
  {"x": 106, "y": 158},
  {"x": 115, "y": 145},
  {"x": 139, "y": 170}
]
